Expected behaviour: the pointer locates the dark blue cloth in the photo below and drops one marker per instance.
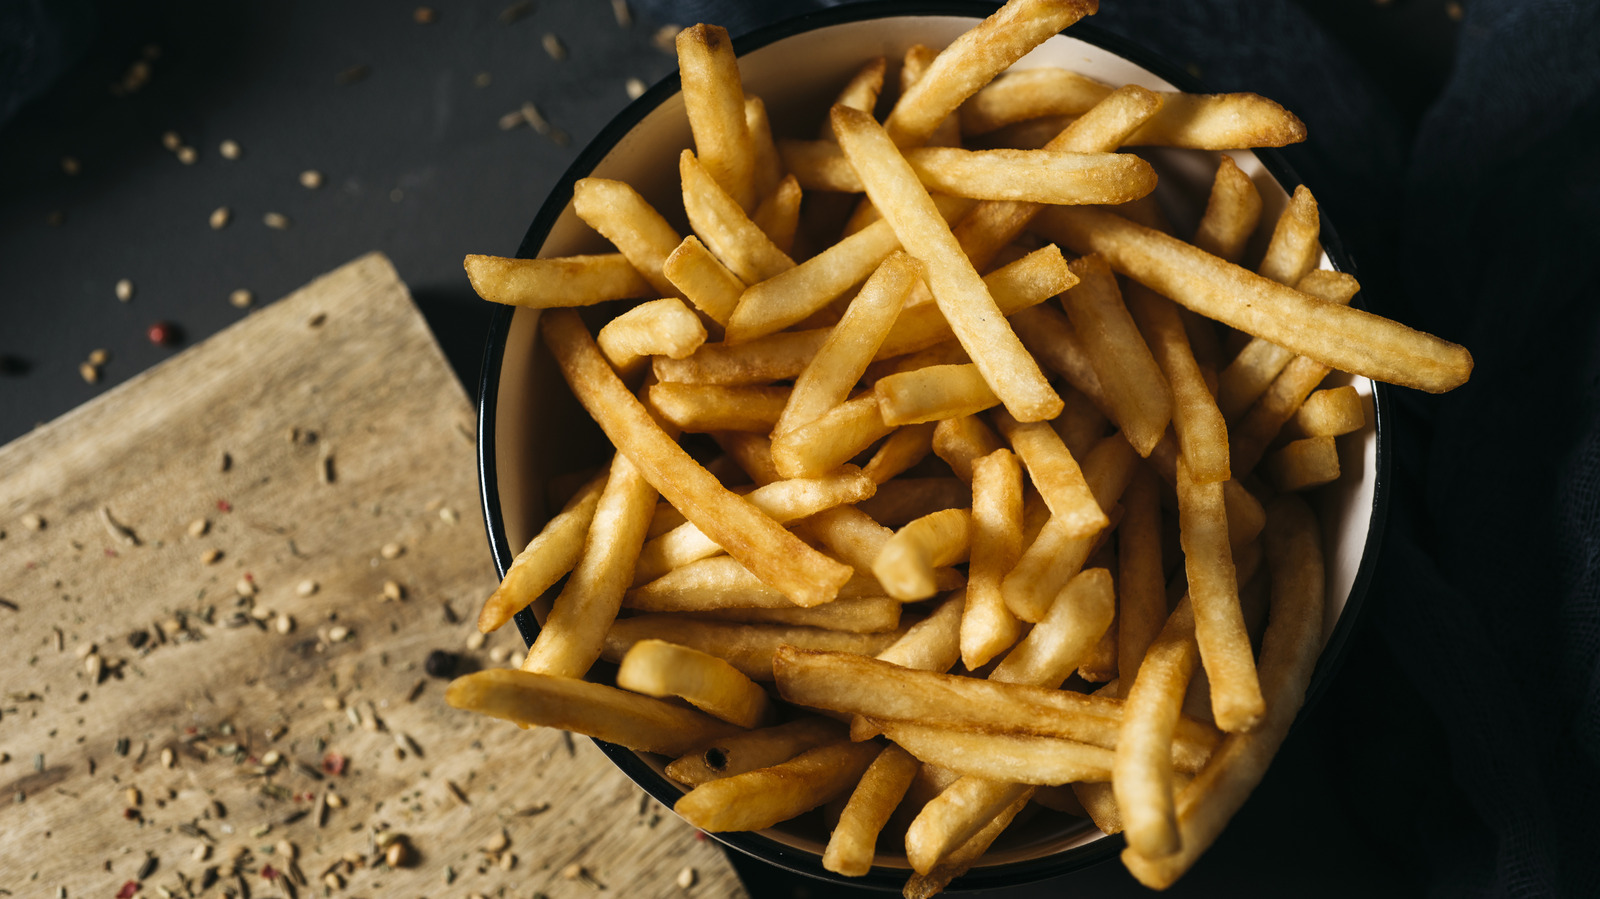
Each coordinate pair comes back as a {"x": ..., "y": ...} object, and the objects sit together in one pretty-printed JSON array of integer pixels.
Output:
[{"x": 1480, "y": 222}]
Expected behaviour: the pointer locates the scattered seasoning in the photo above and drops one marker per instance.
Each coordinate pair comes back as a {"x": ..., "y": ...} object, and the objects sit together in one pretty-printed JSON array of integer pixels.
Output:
[
  {"x": 229, "y": 149},
  {"x": 171, "y": 141},
  {"x": 128, "y": 889},
  {"x": 498, "y": 842},
  {"x": 116, "y": 529},
  {"x": 241, "y": 299},
  {"x": 581, "y": 874},
  {"x": 393, "y": 591},
  {"x": 188, "y": 155},
  {"x": 335, "y": 800},
  {"x": 686, "y": 878},
  {"x": 89, "y": 373},
  {"x": 162, "y": 333},
  {"x": 391, "y": 550},
  {"x": 202, "y": 851},
  {"x": 138, "y": 639},
  {"x": 634, "y": 87},
  {"x": 284, "y": 623},
  {"x": 210, "y": 556},
  {"x": 542, "y": 125},
  {"x": 99, "y": 357},
  {"x": 121, "y": 747},
  {"x": 261, "y": 613},
  {"x": 245, "y": 586},
  {"x": 198, "y": 527},
  {"x": 333, "y": 881},
  {"x": 532, "y": 810},
  {"x": 441, "y": 663},
  {"x": 553, "y": 46},
  {"x": 276, "y": 221},
  {"x": 134, "y": 797},
  {"x": 399, "y": 854},
  {"x": 147, "y": 868},
  {"x": 325, "y": 470},
  {"x": 416, "y": 690},
  {"x": 449, "y": 516},
  {"x": 508, "y": 861},
  {"x": 220, "y": 218},
  {"x": 69, "y": 164},
  {"x": 168, "y": 759},
  {"x": 310, "y": 179},
  {"x": 515, "y": 11},
  {"x": 94, "y": 666},
  {"x": 424, "y": 15},
  {"x": 499, "y": 654},
  {"x": 124, "y": 290},
  {"x": 353, "y": 74},
  {"x": 224, "y": 462},
  {"x": 306, "y": 588},
  {"x": 513, "y": 119},
  {"x": 333, "y": 763},
  {"x": 33, "y": 522},
  {"x": 338, "y": 634},
  {"x": 624, "y": 15}
]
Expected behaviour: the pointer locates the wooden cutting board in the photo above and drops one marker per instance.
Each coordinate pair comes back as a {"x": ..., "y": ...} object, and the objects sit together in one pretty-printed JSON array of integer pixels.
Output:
[{"x": 266, "y": 716}]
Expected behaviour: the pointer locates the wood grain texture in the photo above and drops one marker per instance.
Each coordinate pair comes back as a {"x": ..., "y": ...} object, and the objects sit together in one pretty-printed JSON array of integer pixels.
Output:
[{"x": 344, "y": 369}]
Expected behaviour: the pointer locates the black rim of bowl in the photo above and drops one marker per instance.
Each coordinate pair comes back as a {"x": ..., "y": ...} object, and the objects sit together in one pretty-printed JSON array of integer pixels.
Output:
[{"x": 752, "y": 843}]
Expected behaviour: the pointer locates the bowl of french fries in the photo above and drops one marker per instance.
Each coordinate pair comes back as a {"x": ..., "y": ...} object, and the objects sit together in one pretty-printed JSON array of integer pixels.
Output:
[{"x": 934, "y": 447}]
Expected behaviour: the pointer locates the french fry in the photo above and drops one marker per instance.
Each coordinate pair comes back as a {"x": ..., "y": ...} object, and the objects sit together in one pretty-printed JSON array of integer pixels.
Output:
[
  {"x": 1142, "y": 596},
  {"x": 1341, "y": 337},
  {"x": 901, "y": 501},
  {"x": 904, "y": 449},
  {"x": 1214, "y": 592},
  {"x": 631, "y": 224},
  {"x": 775, "y": 357},
  {"x": 1142, "y": 777},
  {"x": 962, "y": 439},
  {"x": 574, "y": 632},
  {"x": 1066, "y": 634},
  {"x": 850, "y": 847},
  {"x": 1030, "y": 94},
  {"x": 703, "y": 279},
  {"x": 747, "y": 647},
  {"x": 1258, "y": 427},
  {"x": 851, "y": 535},
  {"x": 987, "y": 626},
  {"x": 662, "y": 327},
  {"x": 1202, "y": 433},
  {"x": 701, "y": 408},
  {"x": 783, "y": 500},
  {"x": 1049, "y": 336},
  {"x": 924, "y": 885},
  {"x": 1246, "y": 517},
  {"x": 860, "y": 615},
  {"x": 775, "y": 555},
  {"x": 721, "y": 582},
  {"x": 1056, "y": 474},
  {"x": 830, "y": 440},
  {"x": 1009, "y": 759},
  {"x": 742, "y": 751},
  {"x": 851, "y": 344},
  {"x": 1329, "y": 413},
  {"x": 1219, "y": 122},
  {"x": 974, "y": 58},
  {"x": 1020, "y": 285},
  {"x": 727, "y": 231},
  {"x": 1293, "y": 251},
  {"x": 558, "y": 281},
  {"x": 547, "y": 557},
  {"x": 960, "y": 811},
  {"x": 1251, "y": 372},
  {"x": 1303, "y": 464},
  {"x": 962, "y": 296},
  {"x": 767, "y": 169},
  {"x": 934, "y": 643},
  {"x": 1137, "y": 392},
  {"x": 1080, "y": 425},
  {"x": 932, "y": 393},
  {"x": 660, "y": 669},
  {"x": 913, "y": 66},
  {"x": 1232, "y": 212},
  {"x": 761, "y": 798},
  {"x": 1288, "y": 656},
  {"x": 594, "y": 710},
  {"x": 907, "y": 563},
  {"x": 714, "y": 97},
  {"x": 778, "y": 216}
]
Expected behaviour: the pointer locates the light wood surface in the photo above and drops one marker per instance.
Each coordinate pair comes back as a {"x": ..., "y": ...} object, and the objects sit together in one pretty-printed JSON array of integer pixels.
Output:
[{"x": 344, "y": 376}]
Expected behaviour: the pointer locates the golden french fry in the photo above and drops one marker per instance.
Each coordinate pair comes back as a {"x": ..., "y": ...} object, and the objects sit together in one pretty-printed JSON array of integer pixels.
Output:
[
  {"x": 1246, "y": 517},
  {"x": 1142, "y": 777},
  {"x": 594, "y": 710},
  {"x": 789, "y": 297},
  {"x": 574, "y": 632},
  {"x": 742, "y": 751},
  {"x": 547, "y": 557},
  {"x": 1142, "y": 597},
  {"x": 1081, "y": 425},
  {"x": 934, "y": 643},
  {"x": 862, "y": 91},
  {"x": 901, "y": 501},
  {"x": 767, "y": 169},
  {"x": 774, "y": 554},
  {"x": 775, "y": 357},
  {"x": 830, "y": 440},
  {"x": 761, "y": 798},
  {"x": 987, "y": 626},
  {"x": 1330, "y": 413},
  {"x": 558, "y": 281},
  {"x": 851, "y": 535},
  {"x": 747, "y": 647},
  {"x": 1258, "y": 427},
  {"x": 924, "y": 885},
  {"x": 906, "y": 564},
  {"x": 913, "y": 66},
  {"x": 1232, "y": 212},
  {"x": 960, "y": 811},
  {"x": 860, "y": 615},
  {"x": 721, "y": 582},
  {"x": 1018, "y": 286},
  {"x": 1303, "y": 464},
  {"x": 1049, "y": 336},
  {"x": 714, "y": 97},
  {"x": 727, "y": 231},
  {"x": 960, "y": 440},
  {"x": 1030, "y": 94},
  {"x": 1214, "y": 592},
  {"x": 1219, "y": 122},
  {"x": 663, "y": 327},
  {"x": 1294, "y": 250},
  {"x": 1100, "y": 802},
  {"x": 699, "y": 408},
  {"x": 962, "y": 296},
  {"x": 703, "y": 278},
  {"x": 932, "y": 393},
  {"x": 1341, "y": 337},
  {"x": 1137, "y": 392},
  {"x": 851, "y": 344},
  {"x": 1288, "y": 656},
  {"x": 778, "y": 216},
  {"x": 1251, "y": 372},
  {"x": 1066, "y": 634},
  {"x": 1011, "y": 759},
  {"x": 631, "y": 224},
  {"x": 1202, "y": 433},
  {"x": 661, "y": 669},
  {"x": 1056, "y": 474},
  {"x": 974, "y": 58},
  {"x": 905, "y": 448},
  {"x": 851, "y": 846}
]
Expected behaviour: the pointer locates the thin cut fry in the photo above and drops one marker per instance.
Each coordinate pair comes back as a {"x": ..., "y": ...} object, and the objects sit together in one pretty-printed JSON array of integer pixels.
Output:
[
  {"x": 1293, "y": 250},
  {"x": 703, "y": 278},
  {"x": 714, "y": 97},
  {"x": 934, "y": 643},
  {"x": 729, "y": 233},
  {"x": 932, "y": 393},
  {"x": 830, "y": 440},
  {"x": 851, "y": 846},
  {"x": 747, "y": 647},
  {"x": 1056, "y": 474},
  {"x": 987, "y": 626},
  {"x": 738, "y": 752},
  {"x": 1010, "y": 759},
  {"x": 1202, "y": 432},
  {"x": 778, "y": 216},
  {"x": 925, "y": 885},
  {"x": 699, "y": 408},
  {"x": 1143, "y": 774},
  {"x": 661, "y": 669},
  {"x": 1137, "y": 392},
  {"x": 1232, "y": 212},
  {"x": 1214, "y": 591},
  {"x": 1066, "y": 634},
  {"x": 905, "y": 448},
  {"x": 546, "y": 558},
  {"x": 559, "y": 281},
  {"x": 862, "y": 615},
  {"x": 631, "y": 224},
  {"x": 861, "y": 92},
  {"x": 761, "y": 798},
  {"x": 1330, "y": 413},
  {"x": 1030, "y": 94},
  {"x": 1141, "y": 593},
  {"x": 1303, "y": 464},
  {"x": 1251, "y": 372},
  {"x": 960, "y": 440},
  {"x": 1257, "y": 429},
  {"x": 1219, "y": 122},
  {"x": 721, "y": 582},
  {"x": 906, "y": 564}
]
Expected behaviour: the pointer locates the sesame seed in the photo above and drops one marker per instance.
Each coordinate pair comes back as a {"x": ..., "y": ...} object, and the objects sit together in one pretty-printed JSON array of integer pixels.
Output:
[
  {"x": 220, "y": 218},
  {"x": 229, "y": 149},
  {"x": 210, "y": 556},
  {"x": 635, "y": 88},
  {"x": 306, "y": 588},
  {"x": 124, "y": 290},
  {"x": 188, "y": 155},
  {"x": 338, "y": 634},
  {"x": 686, "y": 878},
  {"x": 245, "y": 587},
  {"x": 275, "y": 220},
  {"x": 198, "y": 527},
  {"x": 475, "y": 641},
  {"x": 393, "y": 591},
  {"x": 392, "y": 550},
  {"x": 241, "y": 298},
  {"x": 449, "y": 516},
  {"x": 168, "y": 759},
  {"x": 310, "y": 179},
  {"x": 33, "y": 522},
  {"x": 89, "y": 373},
  {"x": 284, "y": 623}
]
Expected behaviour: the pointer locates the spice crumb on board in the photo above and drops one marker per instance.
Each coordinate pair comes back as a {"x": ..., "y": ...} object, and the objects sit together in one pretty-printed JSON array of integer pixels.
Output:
[
  {"x": 310, "y": 179},
  {"x": 199, "y": 526},
  {"x": 89, "y": 373},
  {"x": 230, "y": 149},
  {"x": 634, "y": 88},
  {"x": 391, "y": 550},
  {"x": 220, "y": 218},
  {"x": 124, "y": 290},
  {"x": 241, "y": 298},
  {"x": 276, "y": 221},
  {"x": 516, "y": 11},
  {"x": 188, "y": 155}
]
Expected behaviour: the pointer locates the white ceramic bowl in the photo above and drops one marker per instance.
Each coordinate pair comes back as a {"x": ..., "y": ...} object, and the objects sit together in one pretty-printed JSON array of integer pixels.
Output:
[{"x": 530, "y": 428}]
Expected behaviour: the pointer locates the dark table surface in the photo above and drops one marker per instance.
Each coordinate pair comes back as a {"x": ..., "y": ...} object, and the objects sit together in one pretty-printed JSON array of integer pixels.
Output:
[{"x": 402, "y": 121}]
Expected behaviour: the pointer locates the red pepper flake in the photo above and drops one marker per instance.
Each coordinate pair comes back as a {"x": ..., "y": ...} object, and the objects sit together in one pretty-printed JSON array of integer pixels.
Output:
[
  {"x": 249, "y": 577},
  {"x": 191, "y": 730},
  {"x": 224, "y": 506},
  {"x": 111, "y": 553},
  {"x": 162, "y": 333},
  {"x": 269, "y": 873},
  {"x": 128, "y": 889},
  {"x": 700, "y": 836},
  {"x": 333, "y": 763}
]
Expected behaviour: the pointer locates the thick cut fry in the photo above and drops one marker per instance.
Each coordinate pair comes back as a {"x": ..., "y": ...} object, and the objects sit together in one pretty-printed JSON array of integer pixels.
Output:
[
  {"x": 1214, "y": 591},
  {"x": 663, "y": 327},
  {"x": 950, "y": 819},
  {"x": 1138, "y": 394},
  {"x": 702, "y": 278},
  {"x": 1142, "y": 597},
  {"x": 899, "y": 502},
  {"x": 747, "y": 647},
  {"x": 1066, "y": 634},
  {"x": 906, "y": 564},
  {"x": 851, "y": 535},
  {"x": 1056, "y": 475},
  {"x": 1003, "y": 758},
  {"x": 631, "y": 224},
  {"x": 778, "y": 216},
  {"x": 714, "y": 97},
  {"x": 924, "y": 885},
  {"x": 720, "y": 582},
  {"x": 851, "y": 344},
  {"x": 776, "y": 357},
  {"x": 830, "y": 440},
  {"x": 1219, "y": 122},
  {"x": 1100, "y": 802},
  {"x": 558, "y": 281},
  {"x": 1341, "y": 337},
  {"x": 1232, "y": 212},
  {"x": 744, "y": 751},
  {"x": 934, "y": 643},
  {"x": 904, "y": 449},
  {"x": 775, "y": 555},
  {"x": 783, "y": 500},
  {"x": 1143, "y": 773},
  {"x": 661, "y": 669},
  {"x": 1030, "y": 94},
  {"x": 1288, "y": 656},
  {"x": 1303, "y": 464},
  {"x": 1330, "y": 413},
  {"x": 862, "y": 615},
  {"x": 987, "y": 626},
  {"x": 761, "y": 798},
  {"x": 594, "y": 710},
  {"x": 1256, "y": 430},
  {"x": 1293, "y": 250},
  {"x": 851, "y": 847},
  {"x": 933, "y": 393},
  {"x": 547, "y": 557},
  {"x": 700, "y": 408},
  {"x": 960, "y": 440},
  {"x": 781, "y": 301},
  {"x": 574, "y": 633},
  {"x": 974, "y": 58},
  {"x": 861, "y": 92},
  {"x": 962, "y": 296},
  {"x": 1202, "y": 433},
  {"x": 1251, "y": 372},
  {"x": 727, "y": 231}
]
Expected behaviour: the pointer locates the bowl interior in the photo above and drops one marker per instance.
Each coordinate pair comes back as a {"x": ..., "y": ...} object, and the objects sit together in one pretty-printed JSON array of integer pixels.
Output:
[{"x": 534, "y": 430}]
